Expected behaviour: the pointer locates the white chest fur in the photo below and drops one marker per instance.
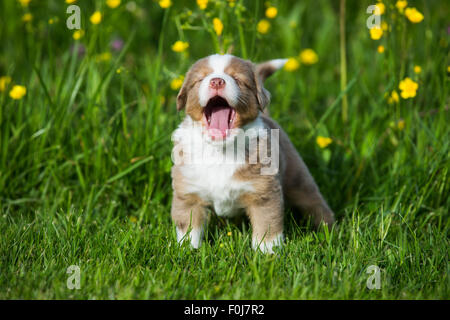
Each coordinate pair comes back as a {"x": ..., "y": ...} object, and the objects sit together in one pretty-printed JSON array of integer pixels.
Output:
[{"x": 207, "y": 171}]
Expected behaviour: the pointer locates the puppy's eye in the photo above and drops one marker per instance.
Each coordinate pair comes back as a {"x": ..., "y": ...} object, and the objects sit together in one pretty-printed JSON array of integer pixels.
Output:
[{"x": 236, "y": 79}]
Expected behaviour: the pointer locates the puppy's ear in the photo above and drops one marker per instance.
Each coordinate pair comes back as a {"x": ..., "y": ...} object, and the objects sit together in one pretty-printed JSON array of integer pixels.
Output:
[
  {"x": 266, "y": 69},
  {"x": 182, "y": 96},
  {"x": 262, "y": 72}
]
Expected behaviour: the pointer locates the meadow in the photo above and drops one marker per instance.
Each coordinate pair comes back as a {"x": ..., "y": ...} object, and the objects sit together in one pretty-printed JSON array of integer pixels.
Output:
[{"x": 86, "y": 118}]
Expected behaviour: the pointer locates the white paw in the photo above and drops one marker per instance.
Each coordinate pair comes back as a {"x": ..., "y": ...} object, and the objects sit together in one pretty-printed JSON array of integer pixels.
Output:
[
  {"x": 195, "y": 236},
  {"x": 266, "y": 246}
]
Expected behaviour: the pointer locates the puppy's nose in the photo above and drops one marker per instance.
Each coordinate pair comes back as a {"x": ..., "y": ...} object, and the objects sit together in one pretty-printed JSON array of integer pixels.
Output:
[{"x": 217, "y": 83}]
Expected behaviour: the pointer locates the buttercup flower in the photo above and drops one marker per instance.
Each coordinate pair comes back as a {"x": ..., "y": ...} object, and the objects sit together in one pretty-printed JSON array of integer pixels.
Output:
[
  {"x": 96, "y": 17},
  {"x": 417, "y": 69},
  {"x": 384, "y": 26},
  {"x": 401, "y": 4},
  {"x": 380, "y": 49},
  {"x": 113, "y": 3},
  {"x": 381, "y": 7},
  {"x": 202, "y": 4},
  {"x": 271, "y": 12},
  {"x": 401, "y": 124},
  {"x": 180, "y": 46},
  {"x": 308, "y": 56},
  {"x": 18, "y": 92},
  {"x": 376, "y": 33},
  {"x": 176, "y": 83},
  {"x": 70, "y": 1},
  {"x": 27, "y": 17},
  {"x": 413, "y": 15},
  {"x": 218, "y": 26},
  {"x": 78, "y": 34},
  {"x": 408, "y": 88},
  {"x": 291, "y": 65},
  {"x": 165, "y": 3},
  {"x": 263, "y": 26},
  {"x": 103, "y": 57},
  {"x": 323, "y": 142},
  {"x": 393, "y": 98},
  {"x": 4, "y": 81},
  {"x": 24, "y": 3}
]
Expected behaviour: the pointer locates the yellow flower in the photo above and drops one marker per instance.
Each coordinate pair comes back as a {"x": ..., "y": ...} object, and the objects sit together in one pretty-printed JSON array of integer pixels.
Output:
[
  {"x": 77, "y": 35},
  {"x": 308, "y": 56},
  {"x": 381, "y": 6},
  {"x": 417, "y": 69},
  {"x": 176, "y": 83},
  {"x": 27, "y": 17},
  {"x": 4, "y": 81},
  {"x": 165, "y": 3},
  {"x": 401, "y": 124},
  {"x": 413, "y": 15},
  {"x": 180, "y": 46},
  {"x": 24, "y": 3},
  {"x": 218, "y": 26},
  {"x": 376, "y": 33},
  {"x": 202, "y": 4},
  {"x": 96, "y": 17},
  {"x": 229, "y": 233},
  {"x": 448, "y": 69},
  {"x": 393, "y": 98},
  {"x": 323, "y": 142},
  {"x": 102, "y": 57},
  {"x": 401, "y": 4},
  {"x": 380, "y": 49},
  {"x": 271, "y": 12},
  {"x": 384, "y": 26},
  {"x": 408, "y": 88},
  {"x": 70, "y": 1},
  {"x": 291, "y": 65},
  {"x": 113, "y": 3},
  {"x": 263, "y": 26},
  {"x": 133, "y": 219},
  {"x": 18, "y": 92},
  {"x": 231, "y": 3}
]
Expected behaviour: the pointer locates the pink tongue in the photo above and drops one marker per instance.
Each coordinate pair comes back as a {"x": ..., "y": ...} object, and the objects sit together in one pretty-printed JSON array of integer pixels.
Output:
[{"x": 220, "y": 118}]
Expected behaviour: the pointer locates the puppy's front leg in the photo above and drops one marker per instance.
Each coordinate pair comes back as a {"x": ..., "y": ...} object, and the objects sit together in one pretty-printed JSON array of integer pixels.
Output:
[
  {"x": 266, "y": 218},
  {"x": 189, "y": 215}
]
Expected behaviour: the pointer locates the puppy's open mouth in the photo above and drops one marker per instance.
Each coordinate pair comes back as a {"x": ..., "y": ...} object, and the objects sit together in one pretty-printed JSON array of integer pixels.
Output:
[{"x": 219, "y": 117}]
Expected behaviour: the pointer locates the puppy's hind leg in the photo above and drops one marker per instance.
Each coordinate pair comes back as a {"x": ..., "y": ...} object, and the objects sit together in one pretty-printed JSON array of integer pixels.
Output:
[{"x": 302, "y": 192}]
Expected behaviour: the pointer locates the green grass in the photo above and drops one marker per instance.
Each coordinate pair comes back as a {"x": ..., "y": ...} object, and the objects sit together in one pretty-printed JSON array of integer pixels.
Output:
[{"x": 85, "y": 155}]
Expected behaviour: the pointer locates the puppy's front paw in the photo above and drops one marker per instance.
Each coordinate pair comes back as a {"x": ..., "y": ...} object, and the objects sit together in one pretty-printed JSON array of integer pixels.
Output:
[
  {"x": 266, "y": 246},
  {"x": 194, "y": 236}
]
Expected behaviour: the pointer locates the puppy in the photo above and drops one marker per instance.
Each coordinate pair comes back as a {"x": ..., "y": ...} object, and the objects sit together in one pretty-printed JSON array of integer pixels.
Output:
[{"x": 231, "y": 157}]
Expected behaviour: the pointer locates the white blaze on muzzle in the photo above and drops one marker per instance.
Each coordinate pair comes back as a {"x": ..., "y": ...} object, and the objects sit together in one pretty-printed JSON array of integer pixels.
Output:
[{"x": 231, "y": 90}]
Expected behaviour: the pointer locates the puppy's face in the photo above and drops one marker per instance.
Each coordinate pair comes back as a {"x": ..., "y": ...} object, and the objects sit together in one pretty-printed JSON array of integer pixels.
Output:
[{"x": 224, "y": 92}]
